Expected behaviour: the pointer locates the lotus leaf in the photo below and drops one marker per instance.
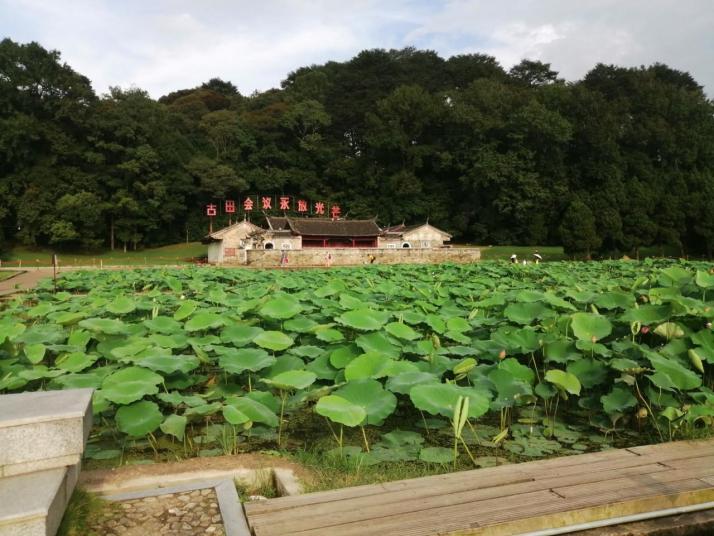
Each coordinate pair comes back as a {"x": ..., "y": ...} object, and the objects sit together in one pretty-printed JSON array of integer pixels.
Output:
[
  {"x": 370, "y": 365},
  {"x": 292, "y": 379},
  {"x": 273, "y": 340},
  {"x": 121, "y": 306},
  {"x": 163, "y": 324},
  {"x": 255, "y": 410},
  {"x": 35, "y": 353},
  {"x": 618, "y": 400},
  {"x": 75, "y": 361},
  {"x": 281, "y": 308},
  {"x": 130, "y": 384},
  {"x": 170, "y": 363},
  {"x": 590, "y": 327},
  {"x": 401, "y": 331},
  {"x": 174, "y": 425},
  {"x": 238, "y": 361},
  {"x": 404, "y": 382},
  {"x": 363, "y": 319},
  {"x": 339, "y": 410},
  {"x": 329, "y": 335},
  {"x": 564, "y": 381},
  {"x": 234, "y": 416},
  {"x": 109, "y": 326},
  {"x": 139, "y": 418},
  {"x": 377, "y": 403}
]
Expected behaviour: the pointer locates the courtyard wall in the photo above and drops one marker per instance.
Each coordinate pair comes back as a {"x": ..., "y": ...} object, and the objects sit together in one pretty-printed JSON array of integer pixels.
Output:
[{"x": 261, "y": 258}]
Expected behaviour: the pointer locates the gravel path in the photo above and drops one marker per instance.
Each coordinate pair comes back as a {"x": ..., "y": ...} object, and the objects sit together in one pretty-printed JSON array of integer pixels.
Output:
[{"x": 187, "y": 513}]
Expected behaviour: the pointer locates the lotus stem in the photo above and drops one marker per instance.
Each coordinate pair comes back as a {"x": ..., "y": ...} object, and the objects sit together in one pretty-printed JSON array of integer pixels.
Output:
[
  {"x": 468, "y": 451},
  {"x": 283, "y": 396},
  {"x": 426, "y": 426},
  {"x": 649, "y": 409},
  {"x": 364, "y": 436}
]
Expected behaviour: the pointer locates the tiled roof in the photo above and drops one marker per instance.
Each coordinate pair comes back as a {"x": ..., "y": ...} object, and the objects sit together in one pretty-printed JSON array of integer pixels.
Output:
[{"x": 329, "y": 227}]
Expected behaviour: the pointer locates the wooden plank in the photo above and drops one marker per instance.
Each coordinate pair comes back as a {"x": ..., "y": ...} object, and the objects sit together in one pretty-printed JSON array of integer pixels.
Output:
[
  {"x": 672, "y": 447},
  {"x": 499, "y": 499},
  {"x": 500, "y": 474},
  {"x": 634, "y": 481},
  {"x": 382, "y": 526},
  {"x": 538, "y": 519},
  {"x": 430, "y": 481},
  {"x": 491, "y": 516},
  {"x": 366, "y": 508},
  {"x": 594, "y": 472}
]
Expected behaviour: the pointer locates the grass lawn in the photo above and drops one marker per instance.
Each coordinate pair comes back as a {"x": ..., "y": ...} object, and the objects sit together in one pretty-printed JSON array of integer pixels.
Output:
[
  {"x": 173, "y": 254},
  {"x": 7, "y": 274}
]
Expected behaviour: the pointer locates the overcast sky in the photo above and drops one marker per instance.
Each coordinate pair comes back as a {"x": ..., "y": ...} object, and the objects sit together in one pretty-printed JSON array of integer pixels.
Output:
[{"x": 164, "y": 45}]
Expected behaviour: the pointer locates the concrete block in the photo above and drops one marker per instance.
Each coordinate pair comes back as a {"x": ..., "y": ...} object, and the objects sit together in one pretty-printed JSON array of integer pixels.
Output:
[
  {"x": 39, "y": 430},
  {"x": 33, "y": 504}
]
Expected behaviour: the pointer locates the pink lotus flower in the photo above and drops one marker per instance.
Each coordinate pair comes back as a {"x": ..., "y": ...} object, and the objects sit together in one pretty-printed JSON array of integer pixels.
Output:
[{"x": 645, "y": 330}]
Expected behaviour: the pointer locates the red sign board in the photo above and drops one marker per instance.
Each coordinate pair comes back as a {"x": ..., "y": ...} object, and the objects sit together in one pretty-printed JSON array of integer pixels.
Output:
[
  {"x": 284, "y": 202},
  {"x": 248, "y": 204},
  {"x": 230, "y": 206},
  {"x": 211, "y": 210}
]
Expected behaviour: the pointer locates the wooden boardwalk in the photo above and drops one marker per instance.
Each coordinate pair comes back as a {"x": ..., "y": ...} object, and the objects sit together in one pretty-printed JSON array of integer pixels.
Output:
[{"x": 506, "y": 500}]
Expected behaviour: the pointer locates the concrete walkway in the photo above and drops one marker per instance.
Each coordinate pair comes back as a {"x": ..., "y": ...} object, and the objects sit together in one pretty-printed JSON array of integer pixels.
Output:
[{"x": 23, "y": 281}]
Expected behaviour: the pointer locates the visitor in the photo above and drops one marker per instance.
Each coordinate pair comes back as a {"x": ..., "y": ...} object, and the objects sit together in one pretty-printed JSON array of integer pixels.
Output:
[
  {"x": 371, "y": 258},
  {"x": 514, "y": 259},
  {"x": 328, "y": 259},
  {"x": 536, "y": 257},
  {"x": 284, "y": 259}
]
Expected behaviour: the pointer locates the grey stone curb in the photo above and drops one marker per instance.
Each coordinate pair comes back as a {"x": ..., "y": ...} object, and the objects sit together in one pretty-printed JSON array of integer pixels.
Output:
[{"x": 234, "y": 520}]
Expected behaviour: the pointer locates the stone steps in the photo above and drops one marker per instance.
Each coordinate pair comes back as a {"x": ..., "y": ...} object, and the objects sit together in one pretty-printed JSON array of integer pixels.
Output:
[
  {"x": 33, "y": 504},
  {"x": 42, "y": 438}
]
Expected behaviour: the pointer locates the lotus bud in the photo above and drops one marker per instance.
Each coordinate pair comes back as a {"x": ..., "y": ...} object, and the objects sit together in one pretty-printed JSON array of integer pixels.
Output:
[
  {"x": 645, "y": 330},
  {"x": 593, "y": 339},
  {"x": 709, "y": 325},
  {"x": 502, "y": 354},
  {"x": 642, "y": 413}
]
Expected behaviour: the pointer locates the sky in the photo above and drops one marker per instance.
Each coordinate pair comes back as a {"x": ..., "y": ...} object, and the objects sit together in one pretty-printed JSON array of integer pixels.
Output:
[{"x": 165, "y": 45}]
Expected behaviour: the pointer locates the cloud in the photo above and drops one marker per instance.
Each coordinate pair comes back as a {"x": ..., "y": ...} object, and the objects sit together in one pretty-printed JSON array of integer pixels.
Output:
[{"x": 164, "y": 45}]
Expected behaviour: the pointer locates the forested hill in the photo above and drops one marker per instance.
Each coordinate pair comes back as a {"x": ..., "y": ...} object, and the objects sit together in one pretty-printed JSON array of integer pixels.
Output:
[{"x": 621, "y": 159}]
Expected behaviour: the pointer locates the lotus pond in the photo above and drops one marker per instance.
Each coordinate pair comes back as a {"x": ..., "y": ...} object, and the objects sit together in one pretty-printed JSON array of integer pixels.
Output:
[{"x": 430, "y": 363}]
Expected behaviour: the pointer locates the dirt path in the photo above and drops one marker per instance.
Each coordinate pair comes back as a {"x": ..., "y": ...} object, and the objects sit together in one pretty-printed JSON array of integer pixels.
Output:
[{"x": 23, "y": 281}]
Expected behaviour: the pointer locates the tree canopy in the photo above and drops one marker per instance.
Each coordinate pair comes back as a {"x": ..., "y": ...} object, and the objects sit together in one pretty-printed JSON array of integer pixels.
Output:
[{"x": 617, "y": 161}]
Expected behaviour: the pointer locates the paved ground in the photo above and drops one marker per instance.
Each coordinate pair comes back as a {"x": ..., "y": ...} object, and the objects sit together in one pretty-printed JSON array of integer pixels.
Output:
[
  {"x": 24, "y": 281},
  {"x": 178, "y": 514}
]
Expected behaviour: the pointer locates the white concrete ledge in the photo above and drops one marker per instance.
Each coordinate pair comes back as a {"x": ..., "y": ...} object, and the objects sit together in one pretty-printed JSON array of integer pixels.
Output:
[{"x": 43, "y": 430}]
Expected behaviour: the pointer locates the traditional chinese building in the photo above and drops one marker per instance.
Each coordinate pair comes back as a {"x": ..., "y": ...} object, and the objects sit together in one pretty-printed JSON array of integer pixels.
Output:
[
  {"x": 422, "y": 236},
  {"x": 286, "y": 233},
  {"x": 296, "y": 233}
]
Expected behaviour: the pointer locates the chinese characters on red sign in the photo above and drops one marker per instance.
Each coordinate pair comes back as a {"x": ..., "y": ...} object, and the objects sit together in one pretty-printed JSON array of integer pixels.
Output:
[{"x": 284, "y": 203}]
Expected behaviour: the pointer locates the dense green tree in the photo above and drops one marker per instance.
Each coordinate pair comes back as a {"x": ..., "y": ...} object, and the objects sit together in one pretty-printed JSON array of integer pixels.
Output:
[{"x": 619, "y": 161}]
